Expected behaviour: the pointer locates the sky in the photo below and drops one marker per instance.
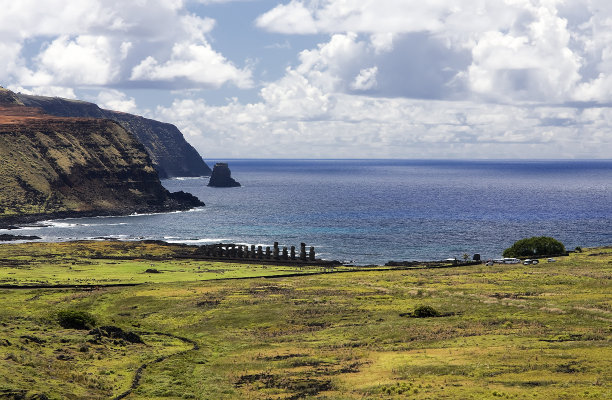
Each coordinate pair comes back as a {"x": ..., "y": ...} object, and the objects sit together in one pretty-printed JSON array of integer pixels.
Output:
[{"x": 434, "y": 79}]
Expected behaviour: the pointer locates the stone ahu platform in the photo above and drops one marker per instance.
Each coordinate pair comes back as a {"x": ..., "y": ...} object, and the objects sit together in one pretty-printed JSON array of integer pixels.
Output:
[{"x": 257, "y": 254}]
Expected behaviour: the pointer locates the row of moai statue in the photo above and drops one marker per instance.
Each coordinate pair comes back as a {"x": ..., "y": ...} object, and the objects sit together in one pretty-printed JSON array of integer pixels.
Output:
[{"x": 257, "y": 253}]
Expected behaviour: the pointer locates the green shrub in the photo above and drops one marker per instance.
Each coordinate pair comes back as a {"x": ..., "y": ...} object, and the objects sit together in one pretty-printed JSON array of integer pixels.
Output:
[
  {"x": 73, "y": 319},
  {"x": 537, "y": 246},
  {"x": 425, "y": 312}
]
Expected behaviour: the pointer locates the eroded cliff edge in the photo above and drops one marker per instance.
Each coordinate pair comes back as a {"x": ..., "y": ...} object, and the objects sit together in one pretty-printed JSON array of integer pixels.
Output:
[
  {"x": 171, "y": 154},
  {"x": 64, "y": 167}
]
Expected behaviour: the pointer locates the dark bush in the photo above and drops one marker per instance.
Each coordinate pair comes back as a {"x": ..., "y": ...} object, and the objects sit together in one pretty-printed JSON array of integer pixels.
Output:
[
  {"x": 537, "y": 246},
  {"x": 73, "y": 319},
  {"x": 425, "y": 312}
]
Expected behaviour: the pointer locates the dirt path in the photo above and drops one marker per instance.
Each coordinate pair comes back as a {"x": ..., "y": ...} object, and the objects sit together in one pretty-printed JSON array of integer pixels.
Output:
[{"x": 140, "y": 370}]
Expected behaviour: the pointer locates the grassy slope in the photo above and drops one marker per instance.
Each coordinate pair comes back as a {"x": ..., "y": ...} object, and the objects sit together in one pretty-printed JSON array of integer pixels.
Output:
[
  {"x": 511, "y": 332},
  {"x": 81, "y": 263}
]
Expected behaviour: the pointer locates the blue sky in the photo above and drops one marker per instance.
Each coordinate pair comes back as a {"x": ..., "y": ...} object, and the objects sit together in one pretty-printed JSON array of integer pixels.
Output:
[{"x": 332, "y": 78}]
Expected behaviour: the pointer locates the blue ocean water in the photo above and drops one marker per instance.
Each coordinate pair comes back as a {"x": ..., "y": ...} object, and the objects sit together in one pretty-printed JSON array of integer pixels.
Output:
[{"x": 373, "y": 211}]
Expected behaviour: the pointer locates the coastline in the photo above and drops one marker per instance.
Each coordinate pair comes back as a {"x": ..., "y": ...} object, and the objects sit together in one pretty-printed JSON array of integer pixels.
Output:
[{"x": 30, "y": 220}]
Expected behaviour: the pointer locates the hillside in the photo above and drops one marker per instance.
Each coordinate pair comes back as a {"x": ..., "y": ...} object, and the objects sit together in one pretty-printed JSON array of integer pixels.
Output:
[
  {"x": 501, "y": 332},
  {"x": 54, "y": 166},
  {"x": 170, "y": 153}
]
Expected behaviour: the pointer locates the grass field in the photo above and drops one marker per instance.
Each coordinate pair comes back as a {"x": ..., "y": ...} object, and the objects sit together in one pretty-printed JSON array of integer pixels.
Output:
[{"x": 506, "y": 331}]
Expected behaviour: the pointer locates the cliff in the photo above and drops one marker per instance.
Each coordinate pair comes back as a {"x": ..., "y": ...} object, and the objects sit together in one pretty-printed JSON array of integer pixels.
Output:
[
  {"x": 59, "y": 167},
  {"x": 222, "y": 176},
  {"x": 170, "y": 153}
]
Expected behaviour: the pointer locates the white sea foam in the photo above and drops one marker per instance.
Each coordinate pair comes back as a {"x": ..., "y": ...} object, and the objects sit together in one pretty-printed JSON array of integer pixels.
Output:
[
  {"x": 59, "y": 224},
  {"x": 186, "y": 178},
  {"x": 196, "y": 241}
]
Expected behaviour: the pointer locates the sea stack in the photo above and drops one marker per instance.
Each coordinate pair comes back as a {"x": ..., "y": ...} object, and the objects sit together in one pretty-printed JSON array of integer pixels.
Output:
[{"x": 222, "y": 176}]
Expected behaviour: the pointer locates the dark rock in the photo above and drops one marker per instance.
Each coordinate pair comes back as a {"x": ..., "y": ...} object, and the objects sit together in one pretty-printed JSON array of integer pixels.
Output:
[
  {"x": 114, "y": 332},
  {"x": 7, "y": 238},
  {"x": 186, "y": 198},
  {"x": 222, "y": 176},
  {"x": 30, "y": 338}
]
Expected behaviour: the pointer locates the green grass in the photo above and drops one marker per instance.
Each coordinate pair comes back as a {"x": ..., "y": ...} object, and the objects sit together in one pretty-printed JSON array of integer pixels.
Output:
[
  {"x": 88, "y": 263},
  {"x": 507, "y": 331}
]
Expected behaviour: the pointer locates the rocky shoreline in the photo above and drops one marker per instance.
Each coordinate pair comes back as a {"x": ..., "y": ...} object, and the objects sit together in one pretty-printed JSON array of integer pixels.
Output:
[{"x": 182, "y": 201}]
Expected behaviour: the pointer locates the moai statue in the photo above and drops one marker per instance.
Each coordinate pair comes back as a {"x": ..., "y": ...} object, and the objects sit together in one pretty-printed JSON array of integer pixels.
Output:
[
  {"x": 293, "y": 252},
  {"x": 253, "y": 255},
  {"x": 303, "y": 251},
  {"x": 259, "y": 252},
  {"x": 276, "y": 257},
  {"x": 268, "y": 253},
  {"x": 311, "y": 254},
  {"x": 285, "y": 255}
]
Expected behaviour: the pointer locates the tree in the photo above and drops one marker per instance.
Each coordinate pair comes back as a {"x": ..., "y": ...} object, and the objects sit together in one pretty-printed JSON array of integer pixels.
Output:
[{"x": 537, "y": 246}]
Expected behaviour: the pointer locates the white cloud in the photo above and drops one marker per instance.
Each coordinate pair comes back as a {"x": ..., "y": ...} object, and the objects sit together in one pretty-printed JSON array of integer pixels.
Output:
[
  {"x": 97, "y": 43},
  {"x": 533, "y": 65},
  {"x": 372, "y": 16},
  {"x": 117, "y": 101},
  {"x": 502, "y": 50},
  {"x": 51, "y": 91},
  {"x": 196, "y": 63},
  {"x": 86, "y": 60},
  {"x": 366, "y": 79},
  {"x": 492, "y": 71},
  {"x": 291, "y": 18},
  {"x": 360, "y": 126}
]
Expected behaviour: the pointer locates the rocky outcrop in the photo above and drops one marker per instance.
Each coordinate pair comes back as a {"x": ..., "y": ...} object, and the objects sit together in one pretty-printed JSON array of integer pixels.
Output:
[
  {"x": 7, "y": 238},
  {"x": 222, "y": 176},
  {"x": 8, "y": 97},
  {"x": 65, "y": 167},
  {"x": 170, "y": 153}
]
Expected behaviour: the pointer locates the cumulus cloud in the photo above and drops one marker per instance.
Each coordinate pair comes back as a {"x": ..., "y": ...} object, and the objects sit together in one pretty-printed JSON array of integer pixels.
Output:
[
  {"x": 400, "y": 78},
  {"x": 116, "y": 100},
  {"x": 98, "y": 43},
  {"x": 50, "y": 91},
  {"x": 86, "y": 60},
  {"x": 361, "y": 126},
  {"x": 500, "y": 50},
  {"x": 195, "y": 63},
  {"x": 366, "y": 79}
]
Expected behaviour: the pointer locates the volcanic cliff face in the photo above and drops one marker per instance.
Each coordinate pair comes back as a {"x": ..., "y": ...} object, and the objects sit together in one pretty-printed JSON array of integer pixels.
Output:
[
  {"x": 170, "y": 153},
  {"x": 53, "y": 166}
]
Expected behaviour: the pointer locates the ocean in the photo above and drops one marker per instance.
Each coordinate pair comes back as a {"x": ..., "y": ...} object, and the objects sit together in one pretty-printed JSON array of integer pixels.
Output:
[{"x": 374, "y": 211}]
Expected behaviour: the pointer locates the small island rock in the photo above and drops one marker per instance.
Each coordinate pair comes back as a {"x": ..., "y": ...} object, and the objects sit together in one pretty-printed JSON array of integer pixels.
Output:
[{"x": 222, "y": 176}]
